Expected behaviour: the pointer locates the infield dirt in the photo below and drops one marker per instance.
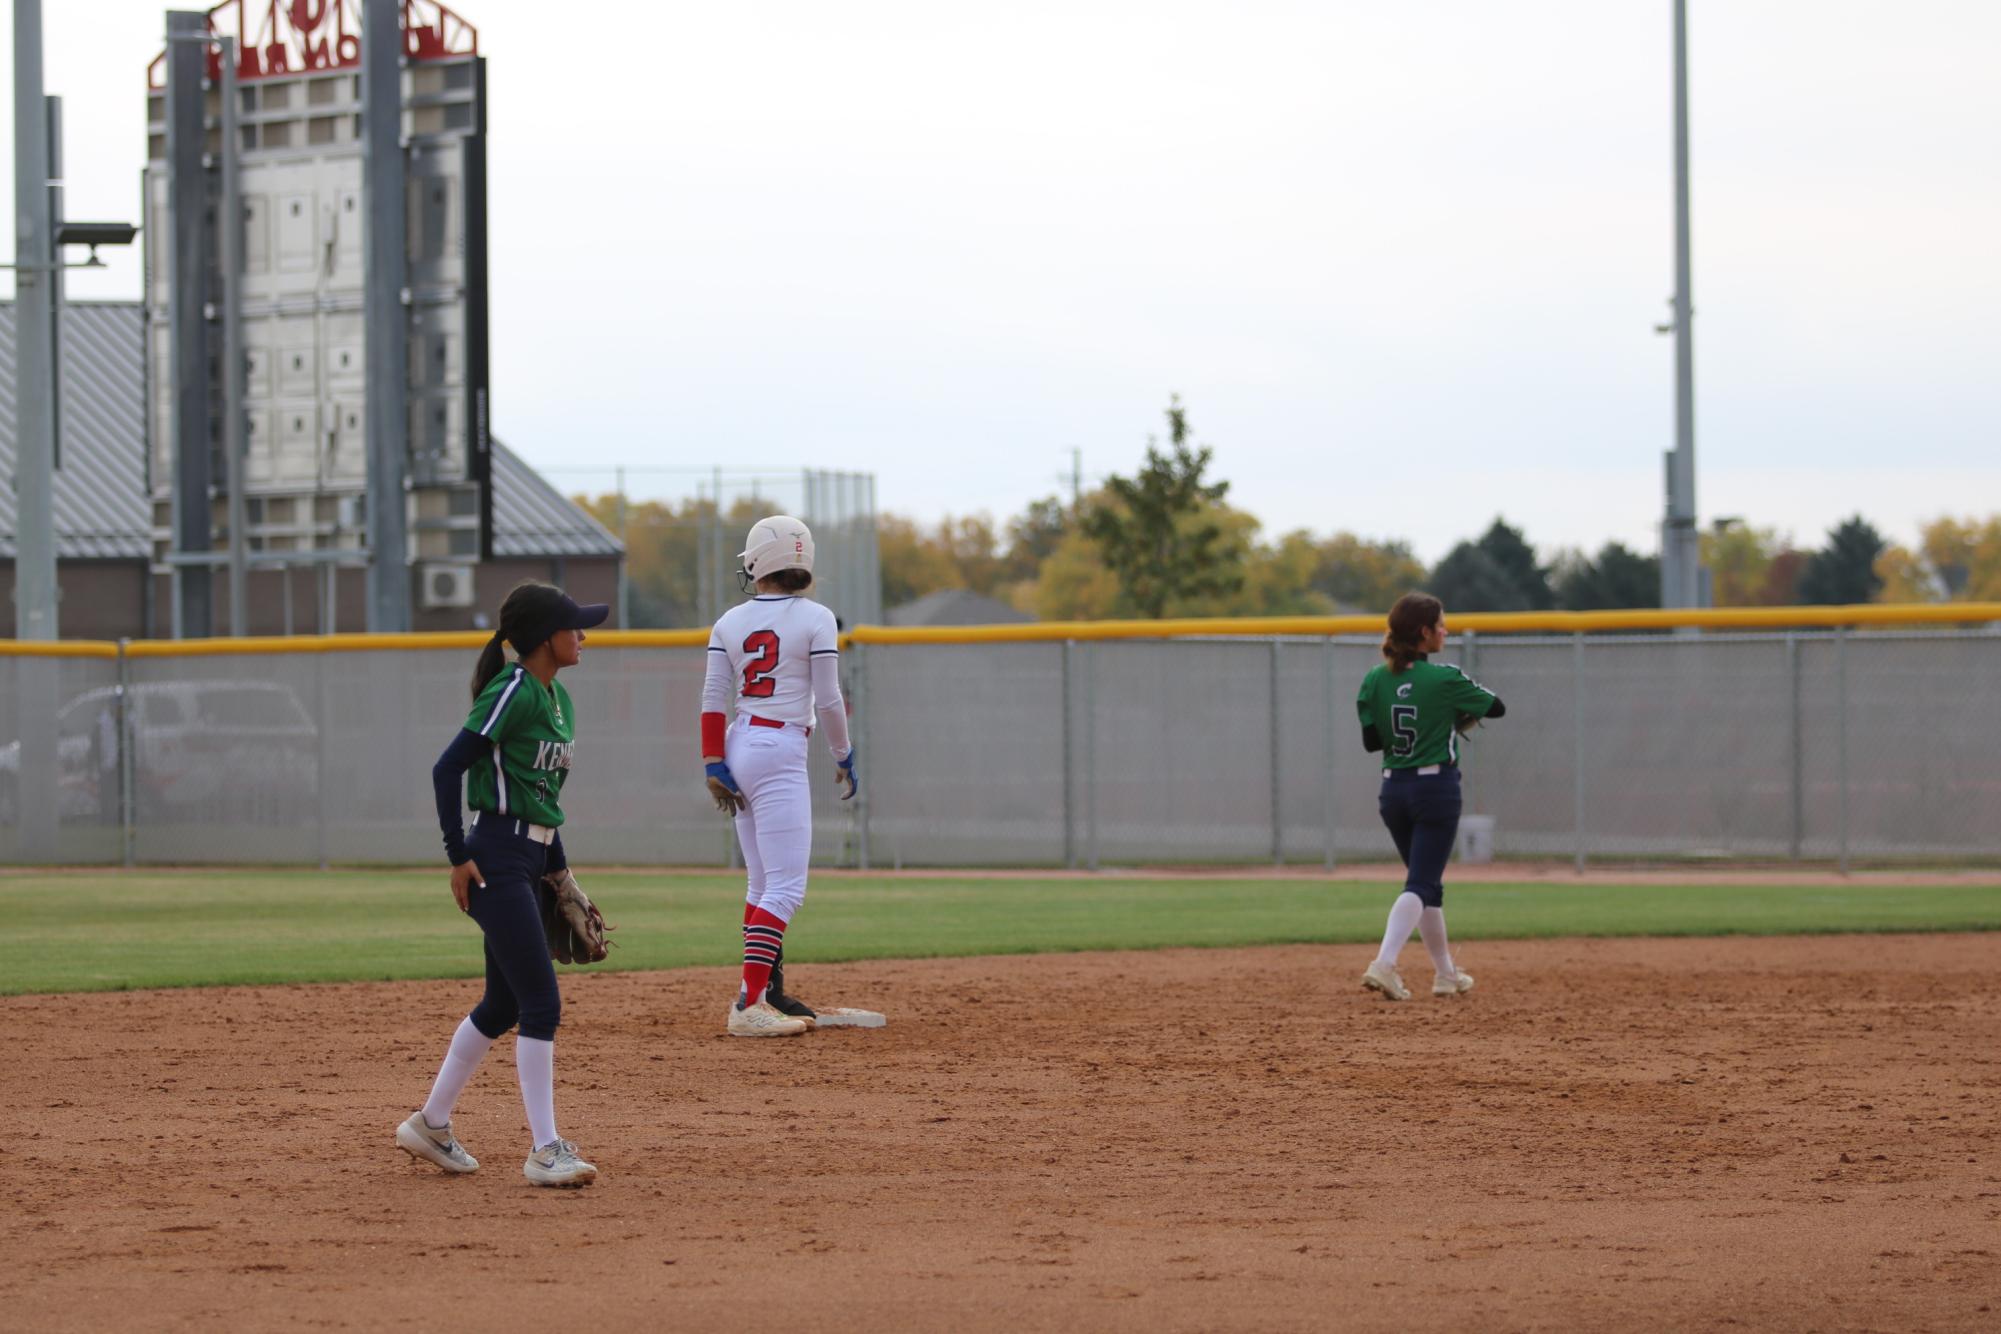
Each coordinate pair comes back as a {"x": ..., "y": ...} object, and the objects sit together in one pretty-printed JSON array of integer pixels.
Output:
[{"x": 1794, "y": 1133}]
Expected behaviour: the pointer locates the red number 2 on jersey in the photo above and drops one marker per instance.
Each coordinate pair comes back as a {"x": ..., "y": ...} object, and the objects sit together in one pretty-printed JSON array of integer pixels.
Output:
[{"x": 758, "y": 682}]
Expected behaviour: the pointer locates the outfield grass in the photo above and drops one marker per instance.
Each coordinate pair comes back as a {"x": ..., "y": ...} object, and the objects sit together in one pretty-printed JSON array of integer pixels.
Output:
[{"x": 77, "y": 932}]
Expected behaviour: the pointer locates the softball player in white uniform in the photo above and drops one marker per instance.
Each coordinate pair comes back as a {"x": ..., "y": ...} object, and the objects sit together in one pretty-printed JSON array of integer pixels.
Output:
[{"x": 780, "y": 652}]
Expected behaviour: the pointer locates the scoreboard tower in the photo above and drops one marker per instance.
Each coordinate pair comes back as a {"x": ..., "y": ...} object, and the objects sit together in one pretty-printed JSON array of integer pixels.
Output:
[{"x": 316, "y": 309}]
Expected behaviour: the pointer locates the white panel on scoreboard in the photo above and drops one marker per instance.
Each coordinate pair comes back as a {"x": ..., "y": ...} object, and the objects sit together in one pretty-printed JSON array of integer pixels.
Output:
[{"x": 302, "y": 285}]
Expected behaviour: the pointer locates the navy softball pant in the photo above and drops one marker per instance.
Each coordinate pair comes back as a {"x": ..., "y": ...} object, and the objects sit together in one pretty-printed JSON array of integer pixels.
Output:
[
  {"x": 520, "y": 977},
  {"x": 1422, "y": 813}
]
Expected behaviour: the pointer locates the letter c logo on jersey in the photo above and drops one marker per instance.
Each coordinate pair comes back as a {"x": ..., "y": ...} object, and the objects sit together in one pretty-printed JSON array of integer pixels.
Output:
[{"x": 1403, "y": 691}]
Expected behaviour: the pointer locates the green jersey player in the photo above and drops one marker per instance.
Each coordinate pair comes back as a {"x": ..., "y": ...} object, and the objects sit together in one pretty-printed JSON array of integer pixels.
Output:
[
  {"x": 513, "y": 752},
  {"x": 1413, "y": 710}
]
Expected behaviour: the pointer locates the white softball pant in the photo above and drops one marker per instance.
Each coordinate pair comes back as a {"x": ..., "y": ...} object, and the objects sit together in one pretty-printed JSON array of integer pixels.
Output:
[{"x": 776, "y": 831}]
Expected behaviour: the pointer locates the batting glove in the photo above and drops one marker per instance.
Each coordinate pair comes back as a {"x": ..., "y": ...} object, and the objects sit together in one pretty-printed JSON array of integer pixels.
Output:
[
  {"x": 845, "y": 775},
  {"x": 722, "y": 786}
]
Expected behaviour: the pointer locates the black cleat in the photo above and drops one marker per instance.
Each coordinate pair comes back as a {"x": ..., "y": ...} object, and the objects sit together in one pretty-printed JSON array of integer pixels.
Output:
[{"x": 774, "y": 993}]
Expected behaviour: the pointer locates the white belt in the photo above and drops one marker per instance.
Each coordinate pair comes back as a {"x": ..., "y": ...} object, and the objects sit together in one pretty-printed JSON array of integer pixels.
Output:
[
  {"x": 1426, "y": 772},
  {"x": 540, "y": 833}
]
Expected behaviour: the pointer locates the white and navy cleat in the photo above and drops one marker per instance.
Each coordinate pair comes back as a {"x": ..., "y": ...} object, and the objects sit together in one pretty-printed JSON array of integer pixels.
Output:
[
  {"x": 418, "y": 1138},
  {"x": 557, "y": 1163}
]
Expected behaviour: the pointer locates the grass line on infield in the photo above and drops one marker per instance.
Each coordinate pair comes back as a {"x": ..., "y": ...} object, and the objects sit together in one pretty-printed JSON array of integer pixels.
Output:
[{"x": 82, "y": 932}]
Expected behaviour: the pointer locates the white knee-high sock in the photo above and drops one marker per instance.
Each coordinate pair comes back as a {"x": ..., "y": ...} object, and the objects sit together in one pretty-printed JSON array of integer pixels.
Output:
[
  {"x": 535, "y": 1063},
  {"x": 1431, "y": 925},
  {"x": 1403, "y": 919},
  {"x": 468, "y": 1049}
]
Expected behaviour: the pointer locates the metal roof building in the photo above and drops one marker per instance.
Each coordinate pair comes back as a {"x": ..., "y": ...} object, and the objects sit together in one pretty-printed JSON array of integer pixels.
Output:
[
  {"x": 100, "y": 491},
  {"x": 533, "y": 519},
  {"x": 103, "y": 513}
]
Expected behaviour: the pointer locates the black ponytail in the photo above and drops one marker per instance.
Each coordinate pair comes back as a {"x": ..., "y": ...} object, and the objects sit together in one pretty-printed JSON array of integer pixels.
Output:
[{"x": 527, "y": 606}]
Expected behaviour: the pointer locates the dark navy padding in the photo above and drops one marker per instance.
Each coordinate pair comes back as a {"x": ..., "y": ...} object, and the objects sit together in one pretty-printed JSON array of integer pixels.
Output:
[
  {"x": 448, "y": 784},
  {"x": 520, "y": 978},
  {"x": 1422, "y": 815}
]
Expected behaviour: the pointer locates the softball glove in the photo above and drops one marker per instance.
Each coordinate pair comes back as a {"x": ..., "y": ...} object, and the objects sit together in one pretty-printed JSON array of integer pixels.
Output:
[{"x": 573, "y": 924}]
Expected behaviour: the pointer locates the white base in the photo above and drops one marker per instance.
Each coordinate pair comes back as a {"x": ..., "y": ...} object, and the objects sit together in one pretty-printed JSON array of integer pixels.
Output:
[{"x": 844, "y": 1017}]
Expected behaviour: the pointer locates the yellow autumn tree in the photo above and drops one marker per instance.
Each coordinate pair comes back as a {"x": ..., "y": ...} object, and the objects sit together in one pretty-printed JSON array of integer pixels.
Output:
[
  {"x": 1956, "y": 560},
  {"x": 1073, "y": 584},
  {"x": 914, "y": 560},
  {"x": 1751, "y": 567}
]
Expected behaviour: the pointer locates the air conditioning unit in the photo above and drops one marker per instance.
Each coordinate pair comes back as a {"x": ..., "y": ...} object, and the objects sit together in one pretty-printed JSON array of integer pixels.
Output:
[{"x": 445, "y": 586}]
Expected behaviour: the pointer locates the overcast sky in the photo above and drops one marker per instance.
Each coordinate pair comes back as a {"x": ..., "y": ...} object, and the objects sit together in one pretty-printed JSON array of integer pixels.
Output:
[{"x": 1402, "y": 262}]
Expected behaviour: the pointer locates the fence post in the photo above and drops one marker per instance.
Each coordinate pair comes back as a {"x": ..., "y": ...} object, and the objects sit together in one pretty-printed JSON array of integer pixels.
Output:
[
  {"x": 1841, "y": 735},
  {"x": 320, "y": 757},
  {"x": 1797, "y": 746},
  {"x": 1471, "y": 639},
  {"x": 127, "y": 830},
  {"x": 1577, "y": 760},
  {"x": 1090, "y": 723},
  {"x": 1069, "y": 764},
  {"x": 1329, "y": 765},
  {"x": 861, "y": 717},
  {"x": 1277, "y": 803}
]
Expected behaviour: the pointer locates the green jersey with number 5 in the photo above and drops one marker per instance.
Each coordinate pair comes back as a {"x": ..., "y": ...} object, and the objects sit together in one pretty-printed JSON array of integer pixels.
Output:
[{"x": 1416, "y": 711}]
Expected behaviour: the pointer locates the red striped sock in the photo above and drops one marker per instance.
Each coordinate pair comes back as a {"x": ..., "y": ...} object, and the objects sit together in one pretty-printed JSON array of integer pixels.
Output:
[{"x": 762, "y": 935}]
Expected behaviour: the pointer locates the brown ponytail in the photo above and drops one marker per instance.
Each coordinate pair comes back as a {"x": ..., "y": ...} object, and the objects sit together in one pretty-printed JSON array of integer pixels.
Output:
[
  {"x": 527, "y": 606},
  {"x": 492, "y": 659},
  {"x": 788, "y": 580},
  {"x": 1413, "y": 615}
]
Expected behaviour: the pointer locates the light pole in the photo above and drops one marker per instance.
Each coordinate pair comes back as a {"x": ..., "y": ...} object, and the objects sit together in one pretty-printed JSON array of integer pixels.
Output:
[
  {"x": 39, "y": 238},
  {"x": 1681, "y": 578},
  {"x": 34, "y": 359},
  {"x": 41, "y": 234}
]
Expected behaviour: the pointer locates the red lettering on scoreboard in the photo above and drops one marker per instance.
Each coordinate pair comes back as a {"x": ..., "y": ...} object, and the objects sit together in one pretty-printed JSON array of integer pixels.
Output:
[{"x": 307, "y": 36}]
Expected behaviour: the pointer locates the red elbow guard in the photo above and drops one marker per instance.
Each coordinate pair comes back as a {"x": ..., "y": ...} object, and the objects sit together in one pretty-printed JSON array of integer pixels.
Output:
[{"x": 712, "y": 734}]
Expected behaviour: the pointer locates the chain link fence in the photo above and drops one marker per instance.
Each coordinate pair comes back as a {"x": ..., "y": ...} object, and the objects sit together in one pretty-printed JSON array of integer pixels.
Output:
[
  {"x": 685, "y": 528},
  {"x": 1833, "y": 747}
]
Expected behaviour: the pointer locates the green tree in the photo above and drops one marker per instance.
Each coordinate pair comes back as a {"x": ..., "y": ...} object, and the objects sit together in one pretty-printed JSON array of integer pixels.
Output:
[
  {"x": 1034, "y": 534},
  {"x": 1515, "y": 558},
  {"x": 1157, "y": 531},
  {"x": 1496, "y": 573},
  {"x": 1277, "y": 577},
  {"x": 1470, "y": 579},
  {"x": 1614, "y": 579},
  {"x": 1844, "y": 571}
]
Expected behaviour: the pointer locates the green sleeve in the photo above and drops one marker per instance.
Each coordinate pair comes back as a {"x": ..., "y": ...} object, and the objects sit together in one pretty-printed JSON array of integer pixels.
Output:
[
  {"x": 1365, "y": 703},
  {"x": 1469, "y": 696}
]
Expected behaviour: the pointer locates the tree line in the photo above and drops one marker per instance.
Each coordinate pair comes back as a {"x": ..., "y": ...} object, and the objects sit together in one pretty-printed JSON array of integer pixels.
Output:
[{"x": 1165, "y": 541}]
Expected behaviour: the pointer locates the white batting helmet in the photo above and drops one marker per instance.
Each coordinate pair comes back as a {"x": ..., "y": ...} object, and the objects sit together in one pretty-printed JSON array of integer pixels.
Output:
[{"x": 780, "y": 542}]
